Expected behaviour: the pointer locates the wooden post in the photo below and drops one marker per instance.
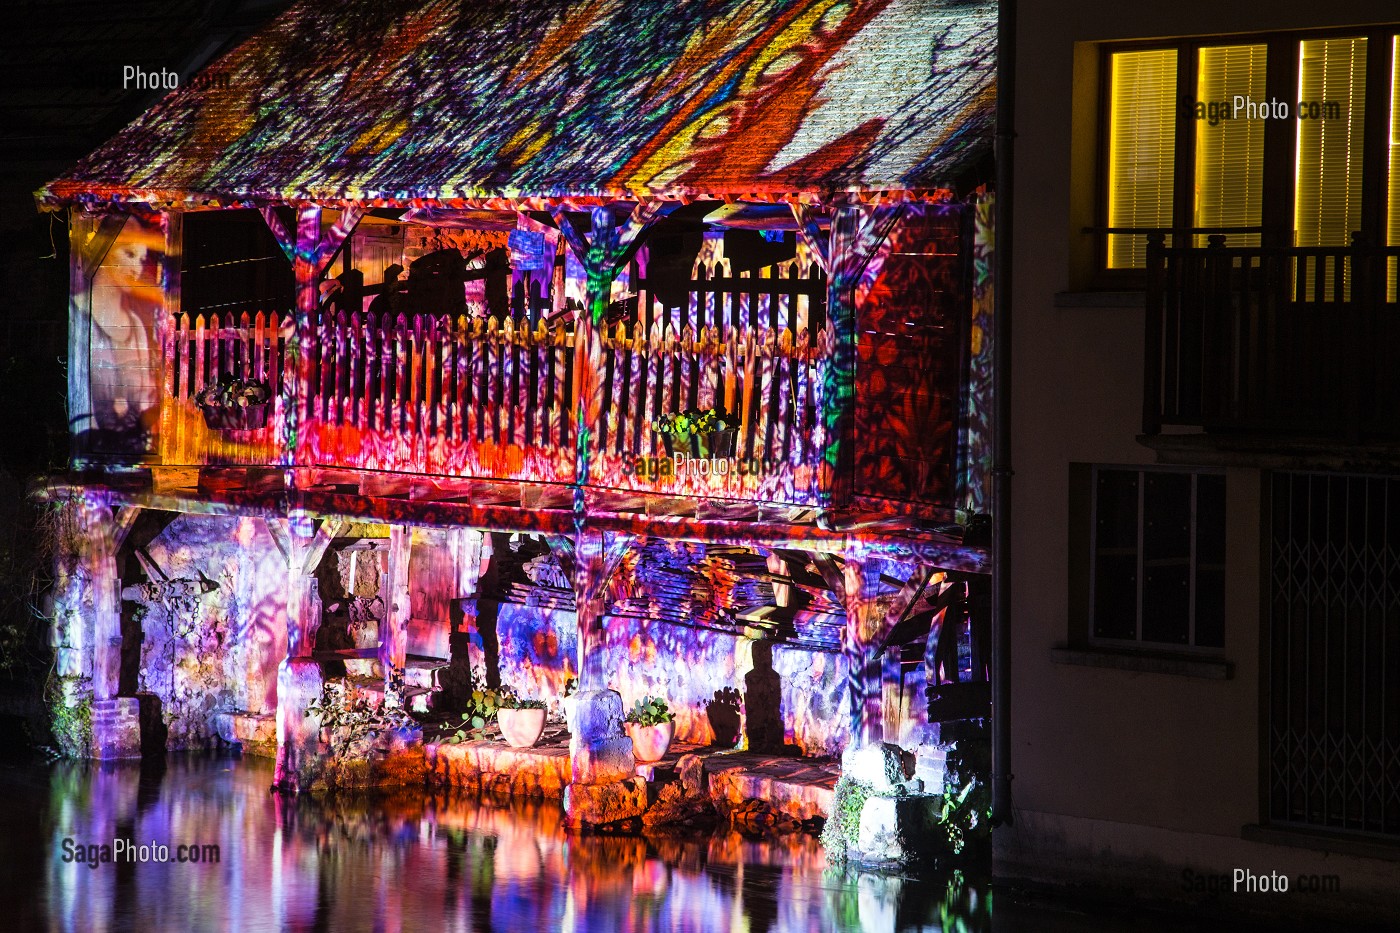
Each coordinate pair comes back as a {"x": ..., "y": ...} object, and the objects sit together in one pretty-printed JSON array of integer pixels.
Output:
[
  {"x": 298, "y": 676},
  {"x": 393, "y": 636},
  {"x": 589, "y": 561},
  {"x": 105, "y": 529},
  {"x": 861, "y": 584},
  {"x": 871, "y": 615},
  {"x": 116, "y": 727},
  {"x": 173, "y": 223},
  {"x": 601, "y": 250}
]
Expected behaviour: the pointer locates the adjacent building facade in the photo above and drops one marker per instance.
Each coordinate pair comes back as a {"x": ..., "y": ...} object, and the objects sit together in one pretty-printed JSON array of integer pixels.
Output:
[{"x": 1206, "y": 413}]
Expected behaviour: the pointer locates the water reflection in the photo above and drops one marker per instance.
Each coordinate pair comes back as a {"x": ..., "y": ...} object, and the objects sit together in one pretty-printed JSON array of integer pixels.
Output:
[{"x": 410, "y": 861}]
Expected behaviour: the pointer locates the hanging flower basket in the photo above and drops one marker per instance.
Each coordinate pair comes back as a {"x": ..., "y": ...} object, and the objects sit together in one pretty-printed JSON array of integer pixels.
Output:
[
  {"x": 234, "y": 404},
  {"x": 700, "y": 433},
  {"x": 251, "y": 418}
]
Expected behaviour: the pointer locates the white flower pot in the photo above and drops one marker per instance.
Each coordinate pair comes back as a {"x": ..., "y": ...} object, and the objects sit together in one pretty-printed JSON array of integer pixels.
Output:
[
  {"x": 650, "y": 743},
  {"x": 520, "y": 728}
]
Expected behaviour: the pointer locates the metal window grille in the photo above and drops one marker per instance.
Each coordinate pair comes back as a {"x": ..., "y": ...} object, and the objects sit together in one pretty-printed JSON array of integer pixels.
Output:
[{"x": 1333, "y": 641}]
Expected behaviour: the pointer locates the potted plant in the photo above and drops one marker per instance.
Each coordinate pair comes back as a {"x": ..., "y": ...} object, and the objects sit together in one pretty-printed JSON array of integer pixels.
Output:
[
  {"x": 521, "y": 720},
  {"x": 234, "y": 404},
  {"x": 650, "y": 725},
  {"x": 703, "y": 432}
]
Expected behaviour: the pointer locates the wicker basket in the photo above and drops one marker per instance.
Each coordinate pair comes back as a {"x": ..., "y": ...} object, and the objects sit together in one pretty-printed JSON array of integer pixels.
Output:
[{"x": 710, "y": 444}]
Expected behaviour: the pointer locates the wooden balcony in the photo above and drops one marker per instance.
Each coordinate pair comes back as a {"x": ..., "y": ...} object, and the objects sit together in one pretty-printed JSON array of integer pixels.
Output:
[
  {"x": 1273, "y": 342},
  {"x": 497, "y": 398}
]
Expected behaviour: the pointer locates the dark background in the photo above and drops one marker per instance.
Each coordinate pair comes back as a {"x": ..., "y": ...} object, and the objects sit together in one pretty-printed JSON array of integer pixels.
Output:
[{"x": 62, "y": 97}]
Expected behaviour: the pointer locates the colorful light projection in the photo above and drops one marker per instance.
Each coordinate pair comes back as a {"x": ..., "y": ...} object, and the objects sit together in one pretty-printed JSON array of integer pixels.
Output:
[
  {"x": 436, "y": 99},
  {"x": 416, "y": 861}
]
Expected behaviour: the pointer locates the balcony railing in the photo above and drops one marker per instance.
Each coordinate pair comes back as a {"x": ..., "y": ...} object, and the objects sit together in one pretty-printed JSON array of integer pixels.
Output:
[
  {"x": 498, "y": 397},
  {"x": 1283, "y": 341}
]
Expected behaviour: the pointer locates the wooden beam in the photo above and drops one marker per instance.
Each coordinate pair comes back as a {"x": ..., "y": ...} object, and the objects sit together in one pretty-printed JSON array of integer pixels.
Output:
[
  {"x": 286, "y": 239},
  {"x": 831, "y": 572},
  {"x": 393, "y": 634},
  {"x": 124, "y": 519},
  {"x": 95, "y": 247}
]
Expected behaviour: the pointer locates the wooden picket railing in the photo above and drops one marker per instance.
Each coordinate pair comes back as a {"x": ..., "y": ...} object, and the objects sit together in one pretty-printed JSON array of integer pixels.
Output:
[
  {"x": 199, "y": 350},
  {"x": 465, "y": 397},
  {"x": 770, "y": 379},
  {"x": 497, "y": 398}
]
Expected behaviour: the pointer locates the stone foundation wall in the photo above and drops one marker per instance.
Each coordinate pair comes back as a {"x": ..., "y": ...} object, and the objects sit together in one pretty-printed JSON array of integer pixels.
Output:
[{"x": 216, "y": 652}]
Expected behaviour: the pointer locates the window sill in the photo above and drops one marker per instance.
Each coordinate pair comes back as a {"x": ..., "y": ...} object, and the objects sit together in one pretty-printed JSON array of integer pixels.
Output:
[
  {"x": 1126, "y": 300},
  {"x": 1340, "y": 843},
  {"x": 1145, "y": 662}
]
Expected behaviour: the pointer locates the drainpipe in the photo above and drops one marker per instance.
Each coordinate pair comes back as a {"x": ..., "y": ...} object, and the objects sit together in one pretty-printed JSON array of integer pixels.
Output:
[{"x": 1001, "y": 444}]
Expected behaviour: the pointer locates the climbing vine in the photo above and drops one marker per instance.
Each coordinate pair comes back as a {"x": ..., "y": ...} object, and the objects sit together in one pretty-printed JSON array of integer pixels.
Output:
[
  {"x": 69, "y": 701},
  {"x": 843, "y": 826}
]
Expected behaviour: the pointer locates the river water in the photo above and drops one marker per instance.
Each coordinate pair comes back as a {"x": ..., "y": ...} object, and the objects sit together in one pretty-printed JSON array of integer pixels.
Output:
[{"x": 406, "y": 861}]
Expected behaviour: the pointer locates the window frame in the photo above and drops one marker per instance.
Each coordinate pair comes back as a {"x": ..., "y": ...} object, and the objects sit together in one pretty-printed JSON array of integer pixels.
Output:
[
  {"x": 1280, "y": 137},
  {"x": 1093, "y": 640}
]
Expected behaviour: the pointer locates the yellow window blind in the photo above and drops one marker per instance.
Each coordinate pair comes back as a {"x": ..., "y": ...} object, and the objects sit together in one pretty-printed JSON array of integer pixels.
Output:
[
  {"x": 1230, "y": 155},
  {"x": 1142, "y": 147},
  {"x": 1327, "y": 195}
]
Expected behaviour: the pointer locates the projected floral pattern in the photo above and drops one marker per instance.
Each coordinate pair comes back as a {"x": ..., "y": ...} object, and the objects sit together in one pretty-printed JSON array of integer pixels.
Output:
[{"x": 441, "y": 99}]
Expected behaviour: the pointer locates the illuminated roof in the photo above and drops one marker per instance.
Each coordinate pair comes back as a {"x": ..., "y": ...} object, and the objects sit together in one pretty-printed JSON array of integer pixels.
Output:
[{"x": 399, "y": 100}]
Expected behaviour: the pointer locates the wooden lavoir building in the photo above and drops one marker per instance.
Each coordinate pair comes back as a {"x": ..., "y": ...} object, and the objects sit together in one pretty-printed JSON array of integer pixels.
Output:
[{"x": 458, "y": 261}]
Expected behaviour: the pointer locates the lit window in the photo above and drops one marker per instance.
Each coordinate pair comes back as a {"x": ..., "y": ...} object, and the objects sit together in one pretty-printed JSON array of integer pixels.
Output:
[
  {"x": 1141, "y": 150},
  {"x": 1229, "y": 152},
  {"x": 1327, "y": 201}
]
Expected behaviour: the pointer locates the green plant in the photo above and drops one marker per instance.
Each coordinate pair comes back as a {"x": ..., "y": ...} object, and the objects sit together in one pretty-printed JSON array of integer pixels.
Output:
[
  {"x": 694, "y": 421},
  {"x": 964, "y": 816},
  {"x": 354, "y": 725},
  {"x": 481, "y": 706},
  {"x": 649, "y": 711},
  {"x": 231, "y": 392},
  {"x": 69, "y": 700},
  {"x": 843, "y": 825},
  {"x": 507, "y": 698}
]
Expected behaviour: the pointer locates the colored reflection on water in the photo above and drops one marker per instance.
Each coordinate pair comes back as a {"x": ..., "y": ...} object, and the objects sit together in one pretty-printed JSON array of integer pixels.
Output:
[{"x": 408, "y": 861}]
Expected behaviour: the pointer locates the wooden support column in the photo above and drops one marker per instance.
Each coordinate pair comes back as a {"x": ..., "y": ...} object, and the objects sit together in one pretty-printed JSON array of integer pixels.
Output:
[
  {"x": 596, "y": 555},
  {"x": 861, "y": 585},
  {"x": 856, "y": 234},
  {"x": 600, "y": 250},
  {"x": 116, "y": 725},
  {"x": 298, "y": 676},
  {"x": 173, "y": 224},
  {"x": 393, "y": 634},
  {"x": 89, "y": 239},
  {"x": 871, "y": 616},
  {"x": 311, "y": 251},
  {"x": 106, "y": 530}
]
